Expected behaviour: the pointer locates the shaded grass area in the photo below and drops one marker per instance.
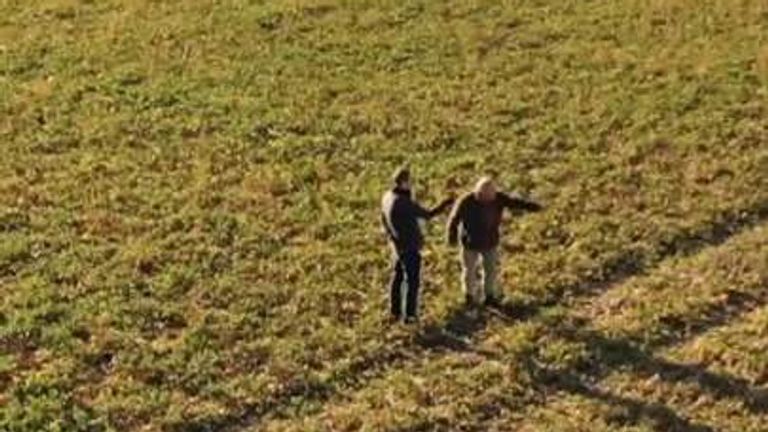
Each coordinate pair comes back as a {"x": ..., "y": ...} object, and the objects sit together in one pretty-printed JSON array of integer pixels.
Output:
[
  {"x": 559, "y": 351},
  {"x": 727, "y": 361},
  {"x": 632, "y": 352},
  {"x": 459, "y": 326}
]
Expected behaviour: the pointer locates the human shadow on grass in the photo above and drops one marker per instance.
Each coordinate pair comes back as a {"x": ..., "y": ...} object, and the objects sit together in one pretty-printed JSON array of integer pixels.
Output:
[
  {"x": 733, "y": 305},
  {"x": 628, "y": 353},
  {"x": 609, "y": 354},
  {"x": 613, "y": 272},
  {"x": 463, "y": 323},
  {"x": 635, "y": 262},
  {"x": 629, "y": 412},
  {"x": 455, "y": 333}
]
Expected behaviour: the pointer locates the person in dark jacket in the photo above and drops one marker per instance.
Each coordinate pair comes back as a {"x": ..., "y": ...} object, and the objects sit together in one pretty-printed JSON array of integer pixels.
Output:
[
  {"x": 476, "y": 219},
  {"x": 400, "y": 216}
]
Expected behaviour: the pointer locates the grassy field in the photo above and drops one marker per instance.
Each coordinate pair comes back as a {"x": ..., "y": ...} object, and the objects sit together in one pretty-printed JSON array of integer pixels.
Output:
[{"x": 189, "y": 235}]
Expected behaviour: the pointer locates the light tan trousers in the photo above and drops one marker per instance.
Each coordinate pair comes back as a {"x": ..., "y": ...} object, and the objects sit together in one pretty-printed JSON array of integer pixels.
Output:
[{"x": 470, "y": 261}]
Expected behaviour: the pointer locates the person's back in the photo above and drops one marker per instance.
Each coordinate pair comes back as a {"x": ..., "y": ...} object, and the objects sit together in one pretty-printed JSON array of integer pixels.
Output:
[
  {"x": 479, "y": 221},
  {"x": 400, "y": 219}
]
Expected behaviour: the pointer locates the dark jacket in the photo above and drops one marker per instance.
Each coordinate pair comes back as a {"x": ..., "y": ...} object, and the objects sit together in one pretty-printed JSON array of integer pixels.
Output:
[
  {"x": 400, "y": 216},
  {"x": 479, "y": 222}
]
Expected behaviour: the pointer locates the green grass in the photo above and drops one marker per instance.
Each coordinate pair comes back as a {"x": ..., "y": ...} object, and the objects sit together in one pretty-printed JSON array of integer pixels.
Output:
[{"x": 188, "y": 226}]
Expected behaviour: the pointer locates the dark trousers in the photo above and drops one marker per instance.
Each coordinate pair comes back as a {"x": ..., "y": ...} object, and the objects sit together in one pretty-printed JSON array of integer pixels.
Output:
[{"x": 407, "y": 268}]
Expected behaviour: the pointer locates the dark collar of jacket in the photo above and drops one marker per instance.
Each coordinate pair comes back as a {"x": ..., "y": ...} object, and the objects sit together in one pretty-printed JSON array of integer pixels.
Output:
[{"x": 402, "y": 192}]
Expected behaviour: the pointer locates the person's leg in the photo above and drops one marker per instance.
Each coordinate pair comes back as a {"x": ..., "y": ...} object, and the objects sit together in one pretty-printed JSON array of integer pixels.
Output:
[
  {"x": 396, "y": 288},
  {"x": 413, "y": 280},
  {"x": 490, "y": 274},
  {"x": 469, "y": 261}
]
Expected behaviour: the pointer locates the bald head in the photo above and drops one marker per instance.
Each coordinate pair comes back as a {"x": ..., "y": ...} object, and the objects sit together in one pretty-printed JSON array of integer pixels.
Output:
[{"x": 485, "y": 189}]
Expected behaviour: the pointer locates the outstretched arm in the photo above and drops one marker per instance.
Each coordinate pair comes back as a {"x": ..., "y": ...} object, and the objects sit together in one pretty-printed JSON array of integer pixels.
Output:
[
  {"x": 514, "y": 202},
  {"x": 423, "y": 213},
  {"x": 442, "y": 207},
  {"x": 453, "y": 222}
]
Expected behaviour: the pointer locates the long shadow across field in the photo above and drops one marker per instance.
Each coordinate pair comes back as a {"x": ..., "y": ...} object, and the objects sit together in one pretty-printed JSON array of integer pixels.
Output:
[
  {"x": 462, "y": 324},
  {"x": 606, "y": 354},
  {"x": 610, "y": 354},
  {"x": 632, "y": 411},
  {"x": 459, "y": 326}
]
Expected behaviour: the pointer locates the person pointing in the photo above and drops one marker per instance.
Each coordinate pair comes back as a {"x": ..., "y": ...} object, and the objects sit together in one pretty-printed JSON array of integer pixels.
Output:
[{"x": 475, "y": 220}]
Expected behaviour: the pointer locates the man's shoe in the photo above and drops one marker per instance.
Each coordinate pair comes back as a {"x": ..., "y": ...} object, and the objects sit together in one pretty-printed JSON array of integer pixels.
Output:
[
  {"x": 494, "y": 301},
  {"x": 412, "y": 320}
]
